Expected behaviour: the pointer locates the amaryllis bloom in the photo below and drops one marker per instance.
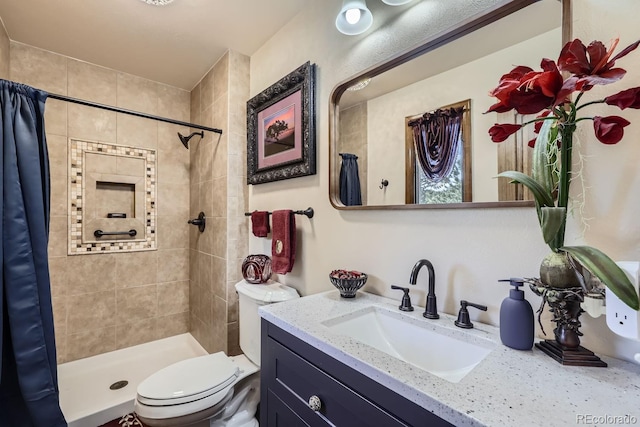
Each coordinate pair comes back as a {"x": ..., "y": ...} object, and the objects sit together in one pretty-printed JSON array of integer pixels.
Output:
[
  {"x": 591, "y": 64},
  {"x": 629, "y": 98},
  {"x": 507, "y": 84},
  {"x": 500, "y": 132},
  {"x": 610, "y": 129},
  {"x": 528, "y": 91}
]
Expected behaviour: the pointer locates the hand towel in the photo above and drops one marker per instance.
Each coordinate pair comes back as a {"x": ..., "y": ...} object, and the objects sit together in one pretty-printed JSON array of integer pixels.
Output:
[
  {"x": 260, "y": 223},
  {"x": 283, "y": 245}
]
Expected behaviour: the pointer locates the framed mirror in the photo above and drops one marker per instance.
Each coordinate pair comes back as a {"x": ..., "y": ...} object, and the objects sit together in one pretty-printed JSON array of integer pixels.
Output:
[{"x": 378, "y": 115}]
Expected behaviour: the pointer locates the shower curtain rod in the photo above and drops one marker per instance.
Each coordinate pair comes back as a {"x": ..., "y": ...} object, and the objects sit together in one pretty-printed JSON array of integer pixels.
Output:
[{"x": 132, "y": 113}]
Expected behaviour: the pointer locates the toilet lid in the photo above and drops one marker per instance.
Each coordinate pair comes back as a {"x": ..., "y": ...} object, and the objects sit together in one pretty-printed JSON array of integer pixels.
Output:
[{"x": 189, "y": 379}]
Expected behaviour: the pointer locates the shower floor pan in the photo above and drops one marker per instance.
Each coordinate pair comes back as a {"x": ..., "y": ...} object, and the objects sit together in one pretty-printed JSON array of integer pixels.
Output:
[{"x": 85, "y": 395}]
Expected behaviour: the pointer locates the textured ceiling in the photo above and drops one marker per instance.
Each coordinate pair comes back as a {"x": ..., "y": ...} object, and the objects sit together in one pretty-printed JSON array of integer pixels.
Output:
[{"x": 174, "y": 44}]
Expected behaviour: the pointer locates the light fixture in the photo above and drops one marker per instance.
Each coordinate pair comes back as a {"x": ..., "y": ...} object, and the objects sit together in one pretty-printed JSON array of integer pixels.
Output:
[
  {"x": 360, "y": 84},
  {"x": 158, "y": 2},
  {"x": 395, "y": 2},
  {"x": 354, "y": 17}
]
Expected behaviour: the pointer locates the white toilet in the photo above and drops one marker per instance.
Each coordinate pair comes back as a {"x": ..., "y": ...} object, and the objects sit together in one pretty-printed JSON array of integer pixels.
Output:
[{"x": 214, "y": 390}]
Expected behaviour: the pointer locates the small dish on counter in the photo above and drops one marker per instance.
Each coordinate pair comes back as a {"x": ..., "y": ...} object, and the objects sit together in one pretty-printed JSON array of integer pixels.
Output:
[{"x": 347, "y": 281}]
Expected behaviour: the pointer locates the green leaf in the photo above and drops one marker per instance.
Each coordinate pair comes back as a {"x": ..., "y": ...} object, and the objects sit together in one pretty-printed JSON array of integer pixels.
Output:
[
  {"x": 551, "y": 220},
  {"x": 542, "y": 196},
  {"x": 542, "y": 166},
  {"x": 605, "y": 269}
]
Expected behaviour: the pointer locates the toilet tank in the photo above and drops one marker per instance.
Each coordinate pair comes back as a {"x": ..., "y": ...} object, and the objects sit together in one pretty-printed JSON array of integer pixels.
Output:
[{"x": 250, "y": 298}]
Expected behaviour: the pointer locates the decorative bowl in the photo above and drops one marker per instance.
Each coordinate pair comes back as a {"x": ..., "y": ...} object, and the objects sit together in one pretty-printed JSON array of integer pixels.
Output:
[
  {"x": 347, "y": 281},
  {"x": 256, "y": 269}
]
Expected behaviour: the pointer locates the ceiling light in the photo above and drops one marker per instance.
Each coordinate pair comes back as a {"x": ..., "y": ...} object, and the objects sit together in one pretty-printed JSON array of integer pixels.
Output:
[
  {"x": 359, "y": 85},
  {"x": 354, "y": 17},
  {"x": 395, "y": 2},
  {"x": 158, "y": 2}
]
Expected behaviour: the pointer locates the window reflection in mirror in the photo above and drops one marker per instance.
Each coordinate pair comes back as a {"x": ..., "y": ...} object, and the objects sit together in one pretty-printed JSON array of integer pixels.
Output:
[
  {"x": 438, "y": 155},
  {"x": 371, "y": 123}
]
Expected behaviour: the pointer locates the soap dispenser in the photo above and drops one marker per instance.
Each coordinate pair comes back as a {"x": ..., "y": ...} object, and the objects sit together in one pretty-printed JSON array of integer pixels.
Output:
[{"x": 516, "y": 318}]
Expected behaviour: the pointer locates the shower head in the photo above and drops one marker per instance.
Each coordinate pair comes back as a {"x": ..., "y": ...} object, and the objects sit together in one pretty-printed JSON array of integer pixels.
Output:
[{"x": 185, "y": 139}]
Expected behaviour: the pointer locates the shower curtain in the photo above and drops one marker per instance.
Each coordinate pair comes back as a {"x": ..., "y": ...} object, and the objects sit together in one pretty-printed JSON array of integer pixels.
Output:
[
  {"x": 350, "y": 191},
  {"x": 28, "y": 373}
]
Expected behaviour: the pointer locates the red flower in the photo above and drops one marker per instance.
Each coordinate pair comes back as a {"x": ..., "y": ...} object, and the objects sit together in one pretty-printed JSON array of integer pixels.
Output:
[
  {"x": 499, "y": 132},
  {"x": 528, "y": 91},
  {"x": 591, "y": 64},
  {"x": 609, "y": 130},
  {"x": 507, "y": 84},
  {"x": 629, "y": 98}
]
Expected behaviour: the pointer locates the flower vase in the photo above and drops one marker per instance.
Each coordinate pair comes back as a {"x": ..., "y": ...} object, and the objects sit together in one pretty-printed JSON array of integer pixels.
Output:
[{"x": 561, "y": 290}]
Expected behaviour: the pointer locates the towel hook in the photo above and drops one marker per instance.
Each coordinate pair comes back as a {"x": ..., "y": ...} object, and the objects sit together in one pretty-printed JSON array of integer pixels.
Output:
[{"x": 383, "y": 184}]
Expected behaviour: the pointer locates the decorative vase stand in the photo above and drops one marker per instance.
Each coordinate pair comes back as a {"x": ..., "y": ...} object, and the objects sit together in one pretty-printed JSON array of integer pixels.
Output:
[{"x": 564, "y": 303}]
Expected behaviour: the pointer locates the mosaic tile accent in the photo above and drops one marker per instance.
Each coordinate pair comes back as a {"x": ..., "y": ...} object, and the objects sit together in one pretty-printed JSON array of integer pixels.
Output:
[{"x": 79, "y": 244}]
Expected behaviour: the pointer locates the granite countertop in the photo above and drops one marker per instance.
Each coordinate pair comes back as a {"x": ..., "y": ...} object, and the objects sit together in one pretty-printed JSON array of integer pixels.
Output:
[{"x": 507, "y": 388}]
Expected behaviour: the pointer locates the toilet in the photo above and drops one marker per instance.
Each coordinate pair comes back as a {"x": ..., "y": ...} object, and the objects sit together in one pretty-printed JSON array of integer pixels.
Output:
[{"x": 213, "y": 390}]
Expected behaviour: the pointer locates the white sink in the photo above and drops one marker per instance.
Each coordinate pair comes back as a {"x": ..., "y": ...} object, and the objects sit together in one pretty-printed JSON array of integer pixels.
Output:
[{"x": 450, "y": 354}]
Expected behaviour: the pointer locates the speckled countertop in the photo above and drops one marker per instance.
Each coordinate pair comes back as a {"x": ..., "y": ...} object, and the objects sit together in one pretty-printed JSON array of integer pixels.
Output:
[{"x": 508, "y": 388}]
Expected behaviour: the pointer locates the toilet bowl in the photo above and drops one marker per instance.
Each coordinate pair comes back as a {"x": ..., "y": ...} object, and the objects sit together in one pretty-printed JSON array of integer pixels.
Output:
[{"x": 213, "y": 390}]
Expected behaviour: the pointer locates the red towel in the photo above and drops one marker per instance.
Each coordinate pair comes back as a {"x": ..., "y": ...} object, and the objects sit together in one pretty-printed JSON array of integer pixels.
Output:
[
  {"x": 260, "y": 223},
  {"x": 283, "y": 245}
]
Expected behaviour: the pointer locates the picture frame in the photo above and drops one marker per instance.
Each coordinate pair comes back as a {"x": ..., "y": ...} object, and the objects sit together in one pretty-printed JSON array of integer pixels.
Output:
[{"x": 281, "y": 131}]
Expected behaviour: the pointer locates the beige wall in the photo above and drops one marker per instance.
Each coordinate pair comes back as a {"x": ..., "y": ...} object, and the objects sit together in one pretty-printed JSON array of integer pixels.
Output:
[
  {"x": 4, "y": 52},
  {"x": 103, "y": 302},
  {"x": 470, "y": 249},
  {"x": 218, "y": 177}
]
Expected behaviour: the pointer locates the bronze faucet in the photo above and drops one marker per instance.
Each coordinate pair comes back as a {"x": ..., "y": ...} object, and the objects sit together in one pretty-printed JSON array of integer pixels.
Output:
[{"x": 431, "y": 311}]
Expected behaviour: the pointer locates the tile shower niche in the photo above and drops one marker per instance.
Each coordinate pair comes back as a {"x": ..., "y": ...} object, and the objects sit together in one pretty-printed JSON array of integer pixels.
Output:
[{"x": 112, "y": 198}]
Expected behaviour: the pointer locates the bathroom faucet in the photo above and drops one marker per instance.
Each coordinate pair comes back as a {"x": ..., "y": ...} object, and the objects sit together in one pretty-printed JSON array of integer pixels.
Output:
[{"x": 431, "y": 311}]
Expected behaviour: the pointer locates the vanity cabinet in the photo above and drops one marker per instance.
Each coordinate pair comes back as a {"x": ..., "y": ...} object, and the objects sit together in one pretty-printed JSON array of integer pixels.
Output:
[{"x": 296, "y": 377}]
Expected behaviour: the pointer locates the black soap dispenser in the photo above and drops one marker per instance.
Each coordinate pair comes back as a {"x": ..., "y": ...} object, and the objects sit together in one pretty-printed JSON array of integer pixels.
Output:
[{"x": 516, "y": 318}]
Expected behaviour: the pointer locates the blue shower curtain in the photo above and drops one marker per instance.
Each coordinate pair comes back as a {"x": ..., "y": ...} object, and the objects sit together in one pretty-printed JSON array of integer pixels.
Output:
[
  {"x": 350, "y": 192},
  {"x": 28, "y": 375}
]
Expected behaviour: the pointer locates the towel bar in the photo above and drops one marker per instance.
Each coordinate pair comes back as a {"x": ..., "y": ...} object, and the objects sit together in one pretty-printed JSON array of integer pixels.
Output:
[
  {"x": 100, "y": 233},
  {"x": 307, "y": 212}
]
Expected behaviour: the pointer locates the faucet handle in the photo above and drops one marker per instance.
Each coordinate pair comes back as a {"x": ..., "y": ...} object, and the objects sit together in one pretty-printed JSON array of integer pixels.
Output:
[
  {"x": 405, "y": 305},
  {"x": 463, "y": 315}
]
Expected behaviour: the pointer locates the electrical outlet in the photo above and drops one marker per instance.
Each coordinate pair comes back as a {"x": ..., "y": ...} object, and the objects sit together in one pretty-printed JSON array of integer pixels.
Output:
[{"x": 622, "y": 319}]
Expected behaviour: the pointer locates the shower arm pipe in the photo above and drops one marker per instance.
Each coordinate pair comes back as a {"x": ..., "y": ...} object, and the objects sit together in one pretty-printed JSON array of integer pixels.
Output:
[{"x": 132, "y": 113}]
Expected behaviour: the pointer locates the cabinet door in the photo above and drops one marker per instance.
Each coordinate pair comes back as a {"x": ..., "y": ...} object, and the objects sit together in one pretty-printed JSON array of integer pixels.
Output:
[
  {"x": 294, "y": 380},
  {"x": 278, "y": 414}
]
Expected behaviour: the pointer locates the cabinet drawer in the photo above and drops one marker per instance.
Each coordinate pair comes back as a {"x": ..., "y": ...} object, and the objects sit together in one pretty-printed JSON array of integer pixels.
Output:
[{"x": 295, "y": 380}]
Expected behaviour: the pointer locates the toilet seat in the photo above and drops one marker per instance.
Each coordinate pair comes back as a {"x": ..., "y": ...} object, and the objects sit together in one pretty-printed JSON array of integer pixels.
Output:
[
  {"x": 193, "y": 380},
  {"x": 208, "y": 406},
  {"x": 154, "y": 402}
]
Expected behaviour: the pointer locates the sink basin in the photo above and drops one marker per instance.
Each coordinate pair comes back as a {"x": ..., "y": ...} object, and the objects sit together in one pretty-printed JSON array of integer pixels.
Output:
[{"x": 447, "y": 353}]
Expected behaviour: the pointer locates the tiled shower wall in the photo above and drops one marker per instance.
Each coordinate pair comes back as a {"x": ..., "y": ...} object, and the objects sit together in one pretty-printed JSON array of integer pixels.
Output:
[
  {"x": 103, "y": 302},
  {"x": 218, "y": 178}
]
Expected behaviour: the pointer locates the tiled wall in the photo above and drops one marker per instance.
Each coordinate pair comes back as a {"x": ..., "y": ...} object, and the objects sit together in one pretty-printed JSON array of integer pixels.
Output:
[
  {"x": 218, "y": 178},
  {"x": 354, "y": 140},
  {"x": 4, "y": 53},
  {"x": 103, "y": 302}
]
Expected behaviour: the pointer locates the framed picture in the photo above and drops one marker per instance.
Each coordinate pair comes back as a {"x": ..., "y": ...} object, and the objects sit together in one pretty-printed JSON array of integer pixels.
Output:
[{"x": 281, "y": 134}]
